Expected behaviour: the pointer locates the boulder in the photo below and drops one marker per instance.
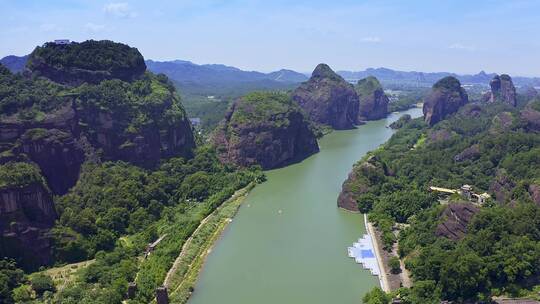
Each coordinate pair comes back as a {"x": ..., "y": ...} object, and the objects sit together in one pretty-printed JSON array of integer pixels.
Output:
[
  {"x": 266, "y": 129},
  {"x": 445, "y": 98},
  {"x": 328, "y": 99}
]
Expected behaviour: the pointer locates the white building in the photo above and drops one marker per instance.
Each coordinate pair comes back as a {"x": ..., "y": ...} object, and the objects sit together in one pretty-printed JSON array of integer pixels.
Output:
[{"x": 62, "y": 41}]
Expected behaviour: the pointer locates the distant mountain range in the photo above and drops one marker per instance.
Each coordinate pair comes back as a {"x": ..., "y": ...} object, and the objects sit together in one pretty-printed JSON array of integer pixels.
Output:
[
  {"x": 389, "y": 76},
  {"x": 14, "y": 63},
  {"x": 183, "y": 71},
  {"x": 186, "y": 71}
]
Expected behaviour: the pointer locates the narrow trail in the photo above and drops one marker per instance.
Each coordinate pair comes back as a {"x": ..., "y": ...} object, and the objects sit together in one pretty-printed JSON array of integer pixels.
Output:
[{"x": 385, "y": 285}]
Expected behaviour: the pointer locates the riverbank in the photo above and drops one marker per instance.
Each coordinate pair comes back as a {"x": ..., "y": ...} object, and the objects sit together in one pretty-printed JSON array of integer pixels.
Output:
[
  {"x": 182, "y": 276},
  {"x": 389, "y": 281},
  {"x": 377, "y": 246}
]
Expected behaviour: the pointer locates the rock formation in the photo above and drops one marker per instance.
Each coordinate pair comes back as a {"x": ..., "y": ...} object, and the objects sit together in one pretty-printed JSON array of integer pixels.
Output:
[
  {"x": 56, "y": 128},
  {"x": 86, "y": 62},
  {"x": 401, "y": 122},
  {"x": 26, "y": 213},
  {"x": 470, "y": 153},
  {"x": 360, "y": 179},
  {"x": 502, "y": 90},
  {"x": 456, "y": 218},
  {"x": 534, "y": 192},
  {"x": 530, "y": 115},
  {"x": 328, "y": 99},
  {"x": 502, "y": 122},
  {"x": 267, "y": 129},
  {"x": 446, "y": 97},
  {"x": 502, "y": 186},
  {"x": 373, "y": 101}
]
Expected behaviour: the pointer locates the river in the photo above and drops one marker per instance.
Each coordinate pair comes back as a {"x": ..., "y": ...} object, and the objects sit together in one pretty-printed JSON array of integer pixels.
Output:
[{"x": 288, "y": 242}]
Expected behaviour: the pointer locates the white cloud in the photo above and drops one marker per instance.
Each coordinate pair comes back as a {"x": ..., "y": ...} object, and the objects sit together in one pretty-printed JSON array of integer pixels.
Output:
[
  {"x": 371, "y": 39},
  {"x": 120, "y": 9},
  {"x": 459, "y": 46},
  {"x": 92, "y": 27}
]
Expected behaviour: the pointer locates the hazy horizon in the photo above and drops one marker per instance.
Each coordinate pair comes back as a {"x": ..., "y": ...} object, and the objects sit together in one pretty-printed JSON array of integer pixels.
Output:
[{"x": 254, "y": 35}]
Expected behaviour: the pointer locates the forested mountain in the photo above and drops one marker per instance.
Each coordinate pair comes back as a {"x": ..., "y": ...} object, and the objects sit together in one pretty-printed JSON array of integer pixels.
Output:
[
  {"x": 14, "y": 63},
  {"x": 97, "y": 160}
]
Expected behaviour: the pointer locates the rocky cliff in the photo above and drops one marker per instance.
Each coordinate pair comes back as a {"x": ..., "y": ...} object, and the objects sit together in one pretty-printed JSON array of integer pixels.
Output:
[
  {"x": 266, "y": 129},
  {"x": 328, "y": 99},
  {"x": 502, "y": 90},
  {"x": 111, "y": 110},
  {"x": 373, "y": 101},
  {"x": 26, "y": 214},
  {"x": 445, "y": 98},
  {"x": 364, "y": 175},
  {"x": 86, "y": 62}
]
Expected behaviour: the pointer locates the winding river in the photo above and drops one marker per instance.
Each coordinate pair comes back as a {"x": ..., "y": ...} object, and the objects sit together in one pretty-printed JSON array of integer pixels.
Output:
[{"x": 288, "y": 242}]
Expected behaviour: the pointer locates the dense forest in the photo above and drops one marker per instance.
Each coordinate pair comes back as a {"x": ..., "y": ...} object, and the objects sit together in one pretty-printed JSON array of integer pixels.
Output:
[{"x": 489, "y": 146}]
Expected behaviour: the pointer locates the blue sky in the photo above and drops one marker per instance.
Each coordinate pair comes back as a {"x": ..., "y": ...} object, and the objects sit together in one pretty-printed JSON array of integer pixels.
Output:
[{"x": 439, "y": 35}]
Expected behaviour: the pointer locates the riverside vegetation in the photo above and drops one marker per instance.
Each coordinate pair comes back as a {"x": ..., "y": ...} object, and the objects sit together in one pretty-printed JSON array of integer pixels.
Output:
[{"x": 492, "y": 146}]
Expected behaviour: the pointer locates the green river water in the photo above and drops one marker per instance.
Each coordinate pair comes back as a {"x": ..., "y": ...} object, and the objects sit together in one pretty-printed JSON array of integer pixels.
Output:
[{"x": 298, "y": 255}]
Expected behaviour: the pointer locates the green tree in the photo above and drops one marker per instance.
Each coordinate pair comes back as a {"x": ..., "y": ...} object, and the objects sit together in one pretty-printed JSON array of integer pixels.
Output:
[
  {"x": 376, "y": 296},
  {"x": 394, "y": 265},
  {"x": 41, "y": 283}
]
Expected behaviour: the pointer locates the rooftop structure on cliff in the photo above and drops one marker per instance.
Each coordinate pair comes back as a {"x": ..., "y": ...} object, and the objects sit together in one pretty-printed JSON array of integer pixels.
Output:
[
  {"x": 466, "y": 191},
  {"x": 61, "y": 41}
]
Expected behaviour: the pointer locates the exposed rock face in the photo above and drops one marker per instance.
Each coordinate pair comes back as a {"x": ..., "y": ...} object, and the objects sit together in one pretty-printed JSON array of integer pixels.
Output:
[
  {"x": 57, "y": 153},
  {"x": 456, "y": 218},
  {"x": 26, "y": 214},
  {"x": 502, "y": 122},
  {"x": 531, "y": 116},
  {"x": 470, "y": 153},
  {"x": 534, "y": 191},
  {"x": 502, "y": 186},
  {"x": 267, "y": 129},
  {"x": 446, "y": 97},
  {"x": 373, "y": 101},
  {"x": 77, "y": 63},
  {"x": 439, "y": 136},
  {"x": 503, "y": 90},
  {"x": 328, "y": 99},
  {"x": 361, "y": 178},
  {"x": 143, "y": 148}
]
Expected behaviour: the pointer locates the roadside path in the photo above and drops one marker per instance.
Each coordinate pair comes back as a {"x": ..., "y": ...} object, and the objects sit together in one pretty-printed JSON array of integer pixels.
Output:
[{"x": 385, "y": 286}]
